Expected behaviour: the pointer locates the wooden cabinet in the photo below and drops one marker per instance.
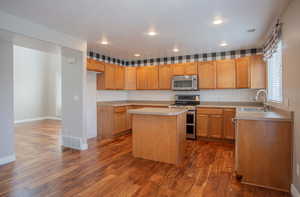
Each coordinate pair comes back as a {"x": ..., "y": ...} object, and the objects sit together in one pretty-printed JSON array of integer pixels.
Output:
[
  {"x": 119, "y": 77},
  {"x": 264, "y": 153},
  {"x": 226, "y": 77},
  {"x": 210, "y": 122},
  {"x": 202, "y": 125},
  {"x": 94, "y": 65},
  {"x": 258, "y": 69},
  {"x": 115, "y": 120},
  {"x": 147, "y": 77},
  {"x": 243, "y": 72},
  {"x": 130, "y": 78},
  {"x": 120, "y": 120},
  {"x": 112, "y": 79},
  {"x": 184, "y": 68},
  {"x": 215, "y": 123},
  {"x": 229, "y": 127},
  {"x": 164, "y": 77},
  {"x": 207, "y": 75}
]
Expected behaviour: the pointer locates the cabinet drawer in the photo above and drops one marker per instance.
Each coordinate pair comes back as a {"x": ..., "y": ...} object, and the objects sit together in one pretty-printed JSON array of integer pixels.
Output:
[
  {"x": 208, "y": 111},
  {"x": 120, "y": 109}
]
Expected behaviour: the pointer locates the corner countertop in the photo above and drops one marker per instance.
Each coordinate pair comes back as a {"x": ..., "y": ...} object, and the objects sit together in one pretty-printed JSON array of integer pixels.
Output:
[
  {"x": 267, "y": 116},
  {"x": 158, "y": 111}
]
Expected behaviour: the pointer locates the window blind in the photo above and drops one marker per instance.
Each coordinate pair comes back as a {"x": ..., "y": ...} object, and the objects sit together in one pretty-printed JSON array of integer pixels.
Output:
[{"x": 275, "y": 75}]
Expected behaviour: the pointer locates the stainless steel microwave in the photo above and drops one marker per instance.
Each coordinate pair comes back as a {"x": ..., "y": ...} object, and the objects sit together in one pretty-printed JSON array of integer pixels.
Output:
[{"x": 184, "y": 82}]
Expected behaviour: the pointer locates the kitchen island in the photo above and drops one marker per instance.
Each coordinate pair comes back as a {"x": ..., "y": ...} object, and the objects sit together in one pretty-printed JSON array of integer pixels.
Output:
[{"x": 159, "y": 134}]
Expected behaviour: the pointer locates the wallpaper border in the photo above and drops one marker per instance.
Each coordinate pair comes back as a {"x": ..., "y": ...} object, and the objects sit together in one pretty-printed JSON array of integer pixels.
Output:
[{"x": 176, "y": 59}]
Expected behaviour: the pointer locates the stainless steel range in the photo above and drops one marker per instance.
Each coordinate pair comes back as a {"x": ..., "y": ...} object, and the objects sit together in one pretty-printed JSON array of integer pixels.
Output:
[{"x": 188, "y": 102}]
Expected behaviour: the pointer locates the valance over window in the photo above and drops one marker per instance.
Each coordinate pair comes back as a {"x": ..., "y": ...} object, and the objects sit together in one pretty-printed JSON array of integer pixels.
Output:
[{"x": 271, "y": 44}]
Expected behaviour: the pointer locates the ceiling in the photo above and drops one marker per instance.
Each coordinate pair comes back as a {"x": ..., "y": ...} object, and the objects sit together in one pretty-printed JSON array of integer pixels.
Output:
[{"x": 185, "y": 24}]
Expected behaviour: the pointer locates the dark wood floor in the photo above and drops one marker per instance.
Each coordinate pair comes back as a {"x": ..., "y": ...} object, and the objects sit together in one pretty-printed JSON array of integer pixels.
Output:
[{"x": 107, "y": 168}]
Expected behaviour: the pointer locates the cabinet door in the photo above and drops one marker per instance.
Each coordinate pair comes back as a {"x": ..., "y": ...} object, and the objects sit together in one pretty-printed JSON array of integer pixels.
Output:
[
  {"x": 229, "y": 127},
  {"x": 258, "y": 69},
  {"x": 141, "y": 78},
  {"x": 130, "y": 78},
  {"x": 119, "y": 77},
  {"x": 129, "y": 118},
  {"x": 94, "y": 65},
  {"x": 109, "y": 76},
  {"x": 164, "y": 77},
  {"x": 120, "y": 120},
  {"x": 226, "y": 77},
  {"x": 190, "y": 68},
  {"x": 243, "y": 72},
  {"x": 177, "y": 69},
  {"x": 202, "y": 125},
  {"x": 215, "y": 128},
  {"x": 151, "y": 77},
  {"x": 207, "y": 75}
]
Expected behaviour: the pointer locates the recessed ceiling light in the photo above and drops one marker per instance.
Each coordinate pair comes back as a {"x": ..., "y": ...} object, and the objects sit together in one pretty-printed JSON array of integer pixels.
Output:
[
  {"x": 104, "y": 42},
  {"x": 175, "y": 50},
  {"x": 223, "y": 44},
  {"x": 137, "y": 55},
  {"x": 217, "y": 21},
  {"x": 152, "y": 33}
]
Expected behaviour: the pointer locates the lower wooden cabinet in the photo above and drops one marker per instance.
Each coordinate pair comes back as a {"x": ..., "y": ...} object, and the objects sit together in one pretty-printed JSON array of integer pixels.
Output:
[
  {"x": 115, "y": 120},
  {"x": 263, "y": 154},
  {"x": 229, "y": 127},
  {"x": 215, "y": 123}
]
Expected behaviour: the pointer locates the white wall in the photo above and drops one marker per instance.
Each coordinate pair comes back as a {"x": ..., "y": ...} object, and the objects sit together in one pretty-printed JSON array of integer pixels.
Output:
[
  {"x": 6, "y": 103},
  {"x": 74, "y": 109},
  {"x": 164, "y": 95},
  {"x": 35, "y": 84},
  {"x": 291, "y": 63},
  {"x": 91, "y": 105}
]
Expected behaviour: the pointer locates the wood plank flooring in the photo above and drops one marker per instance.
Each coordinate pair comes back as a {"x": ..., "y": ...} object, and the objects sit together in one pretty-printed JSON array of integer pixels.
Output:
[{"x": 107, "y": 168}]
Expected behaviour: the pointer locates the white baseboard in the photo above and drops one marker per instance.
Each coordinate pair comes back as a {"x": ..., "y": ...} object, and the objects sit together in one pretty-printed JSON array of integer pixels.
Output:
[
  {"x": 37, "y": 119},
  {"x": 7, "y": 159},
  {"x": 74, "y": 143},
  {"x": 294, "y": 191}
]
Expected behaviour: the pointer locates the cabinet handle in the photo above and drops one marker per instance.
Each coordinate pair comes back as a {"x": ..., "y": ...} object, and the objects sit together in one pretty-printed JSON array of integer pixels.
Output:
[{"x": 233, "y": 120}]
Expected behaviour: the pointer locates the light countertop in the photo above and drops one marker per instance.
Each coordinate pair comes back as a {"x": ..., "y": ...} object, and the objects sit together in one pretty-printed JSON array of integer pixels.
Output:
[
  {"x": 167, "y": 103},
  {"x": 158, "y": 111},
  {"x": 270, "y": 115}
]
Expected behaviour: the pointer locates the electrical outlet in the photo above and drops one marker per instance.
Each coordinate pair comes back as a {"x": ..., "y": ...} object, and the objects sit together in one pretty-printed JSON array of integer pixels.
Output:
[{"x": 298, "y": 169}]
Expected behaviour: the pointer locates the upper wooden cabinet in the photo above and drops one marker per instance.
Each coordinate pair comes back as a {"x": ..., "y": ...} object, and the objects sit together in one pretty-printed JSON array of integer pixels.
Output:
[
  {"x": 184, "y": 68},
  {"x": 258, "y": 72},
  {"x": 147, "y": 77},
  {"x": 112, "y": 79},
  {"x": 226, "y": 75},
  {"x": 207, "y": 75},
  {"x": 93, "y": 65},
  {"x": 243, "y": 72},
  {"x": 164, "y": 77},
  {"x": 119, "y": 77},
  {"x": 130, "y": 78}
]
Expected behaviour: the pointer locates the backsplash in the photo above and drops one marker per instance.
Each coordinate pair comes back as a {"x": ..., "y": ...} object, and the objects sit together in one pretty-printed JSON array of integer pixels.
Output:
[
  {"x": 230, "y": 95},
  {"x": 112, "y": 95}
]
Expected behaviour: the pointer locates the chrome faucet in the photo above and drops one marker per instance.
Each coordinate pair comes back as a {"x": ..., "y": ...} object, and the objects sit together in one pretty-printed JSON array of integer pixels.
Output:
[{"x": 258, "y": 93}]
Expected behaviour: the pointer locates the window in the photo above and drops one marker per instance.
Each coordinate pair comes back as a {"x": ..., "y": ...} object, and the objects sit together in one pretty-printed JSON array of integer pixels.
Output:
[{"x": 275, "y": 75}]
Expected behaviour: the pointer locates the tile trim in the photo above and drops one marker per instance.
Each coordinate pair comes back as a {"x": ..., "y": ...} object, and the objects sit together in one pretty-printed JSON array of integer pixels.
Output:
[{"x": 176, "y": 59}]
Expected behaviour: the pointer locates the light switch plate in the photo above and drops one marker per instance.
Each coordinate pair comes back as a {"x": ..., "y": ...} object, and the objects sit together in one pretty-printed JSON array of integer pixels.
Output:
[{"x": 298, "y": 169}]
